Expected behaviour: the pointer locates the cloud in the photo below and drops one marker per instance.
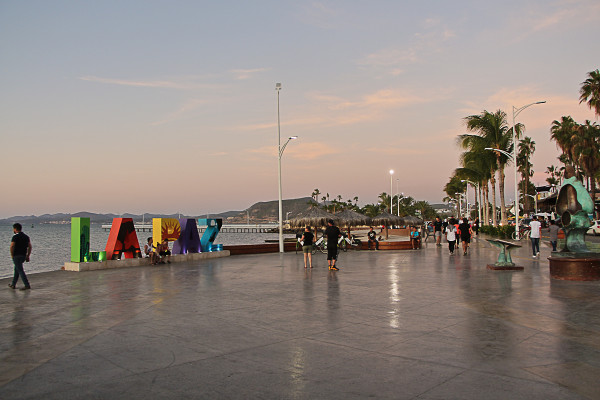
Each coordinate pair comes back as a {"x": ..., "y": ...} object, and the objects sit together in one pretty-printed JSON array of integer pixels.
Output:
[
  {"x": 187, "y": 107},
  {"x": 185, "y": 84},
  {"x": 299, "y": 150},
  {"x": 328, "y": 110},
  {"x": 318, "y": 14},
  {"x": 392, "y": 59},
  {"x": 560, "y": 15},
  {"x": 397, "y": 151},
  {"x": 241, "y": 74}
]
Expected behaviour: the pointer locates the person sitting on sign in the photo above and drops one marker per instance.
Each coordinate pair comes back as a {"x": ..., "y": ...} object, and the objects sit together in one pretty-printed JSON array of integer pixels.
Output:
[
  {"x": 164, "y": 252},
  {"x": 415, "y": 238},
  {"x": 149, "y": 252}
]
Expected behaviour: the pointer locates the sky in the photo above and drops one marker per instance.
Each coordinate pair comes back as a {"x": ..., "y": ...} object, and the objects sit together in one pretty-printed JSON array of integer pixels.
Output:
[{"x": 170, "y": 106}]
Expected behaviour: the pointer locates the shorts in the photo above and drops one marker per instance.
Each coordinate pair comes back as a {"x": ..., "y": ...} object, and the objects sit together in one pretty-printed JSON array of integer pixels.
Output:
[
  {"x": 332, "y": 253},
  {"x": 465, "y": 239},
  {"x": 165, "y": 253},
  {"x": 307, "y": 249},
  {"x": 438, "y": 233}
]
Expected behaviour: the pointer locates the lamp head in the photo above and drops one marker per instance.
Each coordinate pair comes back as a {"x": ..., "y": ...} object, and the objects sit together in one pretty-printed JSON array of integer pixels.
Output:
[
  {"x": 391, "y": 172},
  {"x": 277, "y": 86},
  {"x": 293, "y": 137}
]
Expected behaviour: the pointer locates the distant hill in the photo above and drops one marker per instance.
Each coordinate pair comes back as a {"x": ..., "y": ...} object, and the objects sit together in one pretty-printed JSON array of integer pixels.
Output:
[{"x": 266, "y": 211}]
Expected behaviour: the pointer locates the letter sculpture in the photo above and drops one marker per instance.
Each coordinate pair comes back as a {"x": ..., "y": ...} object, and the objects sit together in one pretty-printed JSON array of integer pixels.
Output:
[
  {"x": 165, "y": 228},
  {"x": 122, "y": 239},
  {"x": 211, "y": 232},
  {"x": 189, "y": 239},
  {"x": 80, "y": 239}
]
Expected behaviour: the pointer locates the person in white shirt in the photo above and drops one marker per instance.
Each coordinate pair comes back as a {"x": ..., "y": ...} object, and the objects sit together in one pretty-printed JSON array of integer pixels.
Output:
[
  {"x": 536, "y": 234},
  {"x": 451, "y": 235}
]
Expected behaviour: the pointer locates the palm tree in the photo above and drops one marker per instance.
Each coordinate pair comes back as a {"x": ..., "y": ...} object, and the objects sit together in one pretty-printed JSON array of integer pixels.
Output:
[
  {"x": 315, "y": 195},
  {"x": 526, "y": 150},
  {"x": 555, "y": 175},
  {"x": 477, "y": 167},
  {"x": 587, "y": 149},
  {"x": 590, "y": 91},
  {"x": 492, "y": 132},
  {"x": 564, "y": 132}
]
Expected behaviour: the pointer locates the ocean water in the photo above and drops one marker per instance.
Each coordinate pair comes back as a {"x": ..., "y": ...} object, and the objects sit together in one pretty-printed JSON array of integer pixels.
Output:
[{"x": 52, "y": 244}]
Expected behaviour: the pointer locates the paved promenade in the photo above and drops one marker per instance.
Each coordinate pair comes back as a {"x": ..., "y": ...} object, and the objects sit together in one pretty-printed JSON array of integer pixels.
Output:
[{"x": 389, "y": 325}]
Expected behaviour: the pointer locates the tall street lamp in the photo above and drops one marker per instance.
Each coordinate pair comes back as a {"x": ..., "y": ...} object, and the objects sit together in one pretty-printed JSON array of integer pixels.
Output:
[
  {"x": 516, "y": 111},
  {"x": 476, "y": 186},
  {"x": 280, "y": 153},
  {"x": 391, "y": 190},
  {"x": 398, "y": 197}
]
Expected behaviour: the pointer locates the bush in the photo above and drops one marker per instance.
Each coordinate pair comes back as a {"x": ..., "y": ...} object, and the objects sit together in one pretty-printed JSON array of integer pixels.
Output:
[{"x": 502, "y": 232}]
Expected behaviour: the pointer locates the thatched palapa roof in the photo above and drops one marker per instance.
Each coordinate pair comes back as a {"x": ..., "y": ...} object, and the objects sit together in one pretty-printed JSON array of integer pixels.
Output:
[
  {"x": 385, "y": 218},
  {"x": 313, "y": 217},
  {"x": 352, "y": 218}
]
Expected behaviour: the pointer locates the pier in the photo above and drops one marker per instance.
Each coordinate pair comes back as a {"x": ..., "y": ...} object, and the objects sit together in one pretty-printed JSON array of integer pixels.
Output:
[{"x": 226, "y": 228}]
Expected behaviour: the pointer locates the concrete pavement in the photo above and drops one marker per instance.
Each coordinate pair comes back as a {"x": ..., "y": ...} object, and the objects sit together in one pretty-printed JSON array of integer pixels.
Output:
[{"x": 398, "y": 324}]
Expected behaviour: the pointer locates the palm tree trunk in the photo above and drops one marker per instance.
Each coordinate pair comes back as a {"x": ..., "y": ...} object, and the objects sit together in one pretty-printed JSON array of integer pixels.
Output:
[
  {"x": 501, "y": 190},
  {"x": 493, "y": 183},
  {"x": 486, "y": 194}
]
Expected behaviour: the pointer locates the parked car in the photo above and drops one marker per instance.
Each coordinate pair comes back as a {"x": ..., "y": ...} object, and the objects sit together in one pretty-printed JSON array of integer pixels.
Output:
[{"x": 594, "y": 229}]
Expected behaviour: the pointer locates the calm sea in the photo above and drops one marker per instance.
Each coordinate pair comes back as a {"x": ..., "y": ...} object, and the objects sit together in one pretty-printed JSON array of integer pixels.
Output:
[{"x": 52, "y": 244}]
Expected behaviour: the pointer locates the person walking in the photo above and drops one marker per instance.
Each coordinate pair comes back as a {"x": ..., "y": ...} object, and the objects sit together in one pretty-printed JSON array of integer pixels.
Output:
[
  {"x": 553, "y": 229},
  {"x": 465, "y": 234},
  {"x": 536, "y": 234},
  {"x": 307, "y": 245},
  {"x": 451, "y": 235},
  {"x": 476, "y": 226},
  {"x": 20, "y": 250},
  {"x": 333, "y": 233},
  {"x": 437, "y": 231}
]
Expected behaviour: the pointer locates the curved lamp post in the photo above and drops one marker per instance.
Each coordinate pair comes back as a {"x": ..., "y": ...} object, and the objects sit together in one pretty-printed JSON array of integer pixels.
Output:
[
  {"x": 517, "y": 111},
  {"x": 280, "y": 154},
  {"x": 476, "y": 186}
]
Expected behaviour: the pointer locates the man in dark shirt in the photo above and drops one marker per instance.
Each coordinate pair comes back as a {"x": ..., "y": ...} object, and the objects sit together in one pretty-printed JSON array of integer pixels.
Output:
[
  {"x": 373, "y": 239},
  {"x": 437, "y": 231},
  {"x": 20, "y": 250},
  {"x": 333, "y": 233}
]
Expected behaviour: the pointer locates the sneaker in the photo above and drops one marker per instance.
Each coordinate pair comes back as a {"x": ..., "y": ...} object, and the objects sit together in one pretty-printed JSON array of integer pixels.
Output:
[
  {"x": 534, "y": 257},
  {"x": 10, "y": 285},
  {"x": 334, "y": 268},
  {"x": 25, "y": 288},
  {"x": 465, "y": 253}
]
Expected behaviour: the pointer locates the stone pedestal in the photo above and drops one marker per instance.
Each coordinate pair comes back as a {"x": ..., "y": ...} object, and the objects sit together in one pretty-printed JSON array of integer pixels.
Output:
[{"x": 580, "y": 267}]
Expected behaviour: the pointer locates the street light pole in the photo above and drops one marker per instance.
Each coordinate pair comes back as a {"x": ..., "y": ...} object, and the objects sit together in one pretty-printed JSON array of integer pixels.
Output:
[
  {"x": 280, "y": 154},
  {"x": 516, "y": 111},
  {"x": 391, "y": 191},
  {"x": 476, "y": 187},
  {"x": 398, "y": 198},
  {"x": 278, "y": 88}
]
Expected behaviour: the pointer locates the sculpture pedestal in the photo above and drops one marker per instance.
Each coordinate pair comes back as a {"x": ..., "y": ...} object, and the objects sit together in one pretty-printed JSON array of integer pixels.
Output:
[{"x": 580, "y": 267}]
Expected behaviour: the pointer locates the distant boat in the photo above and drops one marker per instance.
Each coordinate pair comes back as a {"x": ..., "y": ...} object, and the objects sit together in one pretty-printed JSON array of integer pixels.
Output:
[{"x": 32, "y": 225}]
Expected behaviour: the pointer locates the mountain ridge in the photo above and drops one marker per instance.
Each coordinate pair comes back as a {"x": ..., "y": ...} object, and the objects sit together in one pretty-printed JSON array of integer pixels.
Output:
[{"x": 263, "y": 211}]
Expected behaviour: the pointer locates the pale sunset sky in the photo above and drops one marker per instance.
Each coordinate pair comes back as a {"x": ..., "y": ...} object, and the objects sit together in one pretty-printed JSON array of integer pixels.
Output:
[{"x": 170, "y": 106}]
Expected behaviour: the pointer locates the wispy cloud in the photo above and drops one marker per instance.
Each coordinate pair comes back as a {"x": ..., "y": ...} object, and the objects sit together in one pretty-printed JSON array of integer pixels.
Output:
[
  {"x": 392, "y": 60},
  {"x": 241, "y": 74},
  {"x": 319, "y": 14},
  {"x": 397, "y": 151},
  {"x": 559, "y": 15},
  {"x": 183, "y": 84},
  {"x": 299, "y": 150},
  {"x": 329, "y": 110},
  {"x": 186, "y": 108}
]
